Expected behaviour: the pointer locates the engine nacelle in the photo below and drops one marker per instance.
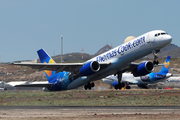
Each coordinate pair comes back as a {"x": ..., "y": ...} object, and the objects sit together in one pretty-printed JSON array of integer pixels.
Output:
[
  {"x": 89, "y": 68},
  {"x": 114, "y": 83},
  {"x": 143, "y": 69}
]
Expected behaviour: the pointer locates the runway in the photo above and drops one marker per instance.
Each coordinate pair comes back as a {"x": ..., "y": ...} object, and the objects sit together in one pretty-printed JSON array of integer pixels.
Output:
[
  {"x": 91, "y": 107},
  {"x": 89, "y": 112}
]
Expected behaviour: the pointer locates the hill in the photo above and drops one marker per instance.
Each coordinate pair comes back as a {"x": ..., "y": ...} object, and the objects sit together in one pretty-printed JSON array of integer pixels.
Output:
[
  {"x": 172, "y": 50},
  {"x": 103, "y": 49},
  {"x": 77, "y": 57},
  {"x": 72, "y": 57}
]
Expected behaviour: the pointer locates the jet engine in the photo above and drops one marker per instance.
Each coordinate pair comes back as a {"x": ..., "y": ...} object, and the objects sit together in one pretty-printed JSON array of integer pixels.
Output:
[
  {"x": 143, "y": 69},
  {"x": 89, "y": 68},
  {"x": 114, "y": 83}
]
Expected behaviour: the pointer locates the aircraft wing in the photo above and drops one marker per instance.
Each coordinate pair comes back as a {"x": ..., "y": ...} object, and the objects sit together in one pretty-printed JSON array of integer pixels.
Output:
[
  {"x": 132, "y": 66},
  {"x": 127, "y": 80},
  {"x": 58, "y": 66},
  {"x": 34, "y": 85},
  {"x": 130, "y": 81},
  {"x": 112, "y": 79},
  {"x": 160, "y": 65},
  {"x": 160, "y": 83}
]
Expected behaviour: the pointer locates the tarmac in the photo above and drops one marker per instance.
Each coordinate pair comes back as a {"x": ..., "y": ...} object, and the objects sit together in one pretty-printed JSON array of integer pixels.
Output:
[{"x": 89, "y": 112}]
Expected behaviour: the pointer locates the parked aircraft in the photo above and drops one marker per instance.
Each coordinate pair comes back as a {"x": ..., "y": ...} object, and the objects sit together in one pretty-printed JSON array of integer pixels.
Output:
[
  {"x": 66, "y": 76},
  {"x": 141, "y": 81},
  {"x": 173, "y": 82},
  {"x": 11, "y": 85}
]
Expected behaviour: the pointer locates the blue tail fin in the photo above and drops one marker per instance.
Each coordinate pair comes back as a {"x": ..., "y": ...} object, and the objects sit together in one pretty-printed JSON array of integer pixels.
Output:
[
  {"x": 45, "y": 58},
  {"x": 165, "y": 68}
]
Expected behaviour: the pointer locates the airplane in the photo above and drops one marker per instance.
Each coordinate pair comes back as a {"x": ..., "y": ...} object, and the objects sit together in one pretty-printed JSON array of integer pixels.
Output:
[
  {"x": 141, "y": 81},
  {"x": 172, "y": 82},
  {"x": 11, "y": 85},
  {"x": 66, "y": 76}
]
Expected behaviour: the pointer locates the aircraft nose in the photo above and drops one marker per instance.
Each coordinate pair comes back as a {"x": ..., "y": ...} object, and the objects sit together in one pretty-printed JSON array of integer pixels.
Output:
[{"x": 168, "y": 38}]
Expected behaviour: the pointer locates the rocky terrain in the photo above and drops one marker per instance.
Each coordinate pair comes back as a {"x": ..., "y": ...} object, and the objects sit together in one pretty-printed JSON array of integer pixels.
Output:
[{"x": 10, "y": 73}]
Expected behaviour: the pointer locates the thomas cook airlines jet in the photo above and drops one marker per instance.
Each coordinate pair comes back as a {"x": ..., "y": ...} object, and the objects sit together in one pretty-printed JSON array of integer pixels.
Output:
[{"x": 66, "y": 76}]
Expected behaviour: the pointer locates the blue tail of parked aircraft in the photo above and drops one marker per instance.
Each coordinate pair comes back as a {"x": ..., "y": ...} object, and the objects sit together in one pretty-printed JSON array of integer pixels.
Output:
[
  {"x": 45, "y": 58},
  {"x": 165, "y": 68}
]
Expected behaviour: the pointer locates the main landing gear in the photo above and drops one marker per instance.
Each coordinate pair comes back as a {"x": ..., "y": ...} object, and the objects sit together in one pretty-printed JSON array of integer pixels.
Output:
[
  {"x": 89, "y": 86},
  {"x": 120, "y": 84},
  {"x": 156, "y": 62},
  {"x": 128, "y": 87},
  {"x": 125, "y": 85}
]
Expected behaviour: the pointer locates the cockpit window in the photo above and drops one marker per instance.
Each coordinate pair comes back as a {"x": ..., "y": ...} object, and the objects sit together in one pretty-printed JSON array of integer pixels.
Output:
[{"x": 160, "y": 34}]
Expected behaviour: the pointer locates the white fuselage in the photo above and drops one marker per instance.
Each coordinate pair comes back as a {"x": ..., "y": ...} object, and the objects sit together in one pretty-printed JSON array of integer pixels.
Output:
[{"x": 121, "y": 56}]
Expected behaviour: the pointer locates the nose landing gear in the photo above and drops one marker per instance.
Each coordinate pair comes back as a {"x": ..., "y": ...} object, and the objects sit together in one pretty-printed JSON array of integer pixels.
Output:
[{"x": 156, "y": 62}]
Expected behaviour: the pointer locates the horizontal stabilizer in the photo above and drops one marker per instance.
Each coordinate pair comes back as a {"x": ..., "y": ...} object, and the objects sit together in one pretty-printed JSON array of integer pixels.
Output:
[{"x": 160, "y": 65}]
